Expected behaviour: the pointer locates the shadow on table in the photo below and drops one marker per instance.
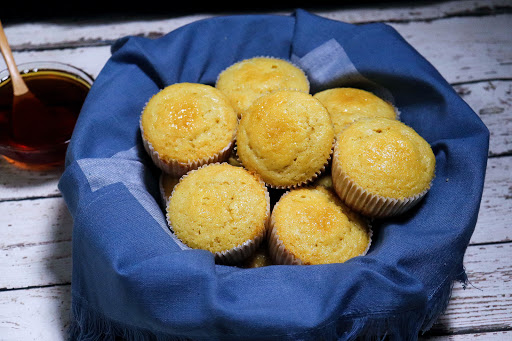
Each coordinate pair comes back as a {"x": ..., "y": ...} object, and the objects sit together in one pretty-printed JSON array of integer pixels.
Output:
[{"x": 16, "y": 12}]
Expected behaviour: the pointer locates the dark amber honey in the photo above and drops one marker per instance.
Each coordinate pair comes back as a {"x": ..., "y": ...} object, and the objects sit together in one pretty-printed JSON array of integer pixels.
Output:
[{"x": 63, "y": 94}]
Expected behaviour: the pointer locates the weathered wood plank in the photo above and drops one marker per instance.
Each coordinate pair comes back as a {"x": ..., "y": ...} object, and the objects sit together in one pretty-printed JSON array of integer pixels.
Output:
[
  {"x": 35, "y": 238},
  {"x": 486, "y": 304},
  {"x": 35, "y": 314},
  {"x": 90, "y": 59},
  {"x": 490, "y": 336},
  {"x": 66, "y": 33},
  {"x": 35, "y": 235},
  {"x": 495, "y": 216},
  {"x": 462, "y": 49},
  {"x": 492, "y": 101},
  {"x": 416, "y": 11},
  {"x": 35, "y": 243},
  {"x": 16, "y": 183},
  {"x": 54, "y": 224}
]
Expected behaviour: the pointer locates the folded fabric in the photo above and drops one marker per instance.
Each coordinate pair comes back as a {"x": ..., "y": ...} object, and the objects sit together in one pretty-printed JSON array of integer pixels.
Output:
[{"x": 132, "y": 280}]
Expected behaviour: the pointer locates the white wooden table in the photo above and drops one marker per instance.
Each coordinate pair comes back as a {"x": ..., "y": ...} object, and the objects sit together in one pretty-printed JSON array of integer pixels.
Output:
[{"x": 469, "y": 42}]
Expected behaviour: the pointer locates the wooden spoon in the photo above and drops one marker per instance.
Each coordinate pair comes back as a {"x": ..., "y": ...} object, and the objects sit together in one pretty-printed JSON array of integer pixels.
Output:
[{"x": 29, "y": 115}]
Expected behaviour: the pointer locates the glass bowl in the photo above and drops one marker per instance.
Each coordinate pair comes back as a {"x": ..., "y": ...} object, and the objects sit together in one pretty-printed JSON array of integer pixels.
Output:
[{"x": 59, "y": 86}]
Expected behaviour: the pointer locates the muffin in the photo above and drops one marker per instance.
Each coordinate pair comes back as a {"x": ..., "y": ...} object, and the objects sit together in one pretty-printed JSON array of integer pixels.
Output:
[
  {"x": 186, "y": 125},
  {"x": 220, "y": 208},
  {"x": 381, "y": 167},
  {"x": 311, "y": 225},
  {"x": 346, "y": 105},
  {"x": 286, "y": 137},
  {"x": 248, "y": 79}
]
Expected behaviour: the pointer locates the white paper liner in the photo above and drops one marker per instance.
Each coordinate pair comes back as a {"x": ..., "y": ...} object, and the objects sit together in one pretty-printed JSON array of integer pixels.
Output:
[
  {"x": 240, "y": 252},
  {"x": 280, "y": 255},
  {"x": 178, "y": 168},
  {"x": 364, "y": 202}
]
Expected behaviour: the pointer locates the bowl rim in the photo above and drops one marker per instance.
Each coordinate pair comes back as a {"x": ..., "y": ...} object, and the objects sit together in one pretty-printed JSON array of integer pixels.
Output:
[{"x": 33, "y": 67}]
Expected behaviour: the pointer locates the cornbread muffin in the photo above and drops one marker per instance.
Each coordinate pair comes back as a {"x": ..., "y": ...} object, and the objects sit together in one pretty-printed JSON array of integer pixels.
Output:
[
  {"x": 311, "y": 225},
  {"x": 186, "y": 125},
  {"x": 220, "y": 208},
  {"x": 286, "y": 137},
  {"x": 346, "y": 105},
  {"x": 248, "y": 79},
  {"x": 381, "y": 167}
]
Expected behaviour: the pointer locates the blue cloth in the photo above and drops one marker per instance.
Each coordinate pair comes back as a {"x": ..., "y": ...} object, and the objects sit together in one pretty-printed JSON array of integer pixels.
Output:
[{"x": 132, "y": 280}]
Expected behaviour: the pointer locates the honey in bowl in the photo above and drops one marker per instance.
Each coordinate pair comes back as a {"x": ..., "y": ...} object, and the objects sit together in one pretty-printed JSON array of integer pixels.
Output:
[{"x": 62, "y": 89}]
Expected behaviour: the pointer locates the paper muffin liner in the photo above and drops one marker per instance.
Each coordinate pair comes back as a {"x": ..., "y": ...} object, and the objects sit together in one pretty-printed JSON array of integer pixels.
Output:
[
  {"x": 238, "y": 253},
  {"x": 280, "y": 255},
  {"x": 178, "y": 168},
  {"x": 366, "y": 203}
]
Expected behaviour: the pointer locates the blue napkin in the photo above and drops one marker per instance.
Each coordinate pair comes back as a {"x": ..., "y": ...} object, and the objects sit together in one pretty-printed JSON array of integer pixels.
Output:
[{"x": 132, "y": 280}]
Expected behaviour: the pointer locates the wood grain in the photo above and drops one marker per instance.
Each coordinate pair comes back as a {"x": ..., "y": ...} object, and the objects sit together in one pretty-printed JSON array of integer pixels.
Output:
[
  {"x": 71, "y": 33},
  {"x": 494, "y": 218},
  {"x": 35, "y": 314},
  {"x": 484, "y": 46},
  {"x": 490, "y": 336},
  {"x": 484, "y": 49},
  {"x": 39, "y": 245},
  {"x": 486, "y": 304},
  {"x": 35, "y": 250},
  {"x": 492, "y": 101},
  {"x": 470, "y": 44},
  {"x": 16, "y": 183}
]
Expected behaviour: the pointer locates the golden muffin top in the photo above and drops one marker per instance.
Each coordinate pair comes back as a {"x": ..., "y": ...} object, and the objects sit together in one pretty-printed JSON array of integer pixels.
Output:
[
  {"x": 317, "y": 228},
  {"x": 218, "y": 207},
  {"x": 385, "y": 157},
  {"x": 188, "y": 121},
  {"x": 286, "y": 137},
  {"x": 346, "y": 105},
  {"x": 248, "y": 79}
]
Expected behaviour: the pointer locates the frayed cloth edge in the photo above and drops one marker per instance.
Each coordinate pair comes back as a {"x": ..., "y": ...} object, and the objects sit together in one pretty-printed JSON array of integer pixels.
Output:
[{"x": 89, "y": 325}]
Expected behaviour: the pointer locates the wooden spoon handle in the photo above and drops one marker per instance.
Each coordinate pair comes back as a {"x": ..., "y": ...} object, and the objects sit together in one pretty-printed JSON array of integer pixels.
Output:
[{"x": 18, "y": 85}]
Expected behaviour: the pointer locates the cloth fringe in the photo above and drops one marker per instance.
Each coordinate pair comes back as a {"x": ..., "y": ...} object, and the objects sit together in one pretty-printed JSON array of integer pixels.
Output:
[
  {"x": 438, "y": 303},
  {"x": 89, "y": 325}
]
